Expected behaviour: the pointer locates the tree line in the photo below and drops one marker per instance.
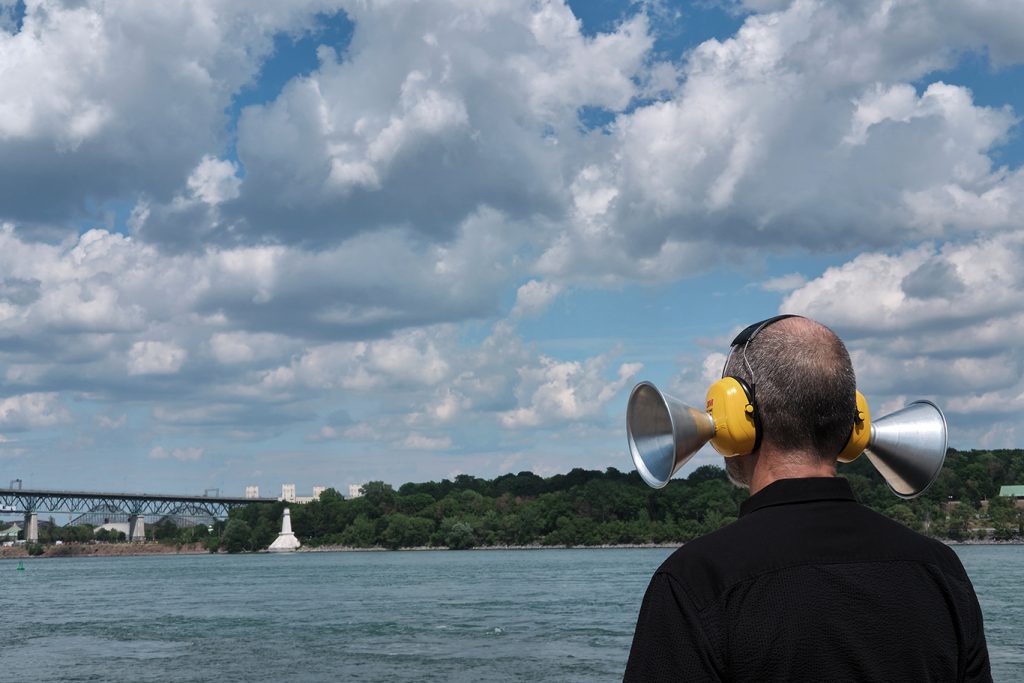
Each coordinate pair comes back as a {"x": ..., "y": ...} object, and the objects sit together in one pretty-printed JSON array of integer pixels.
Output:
[
  {"x": 584, "y": 508},
  {"x": 610, "y": 507}
]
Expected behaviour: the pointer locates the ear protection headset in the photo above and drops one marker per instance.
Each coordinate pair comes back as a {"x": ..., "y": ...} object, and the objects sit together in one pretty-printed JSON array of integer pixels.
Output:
[{"x": 733, "y": 408}]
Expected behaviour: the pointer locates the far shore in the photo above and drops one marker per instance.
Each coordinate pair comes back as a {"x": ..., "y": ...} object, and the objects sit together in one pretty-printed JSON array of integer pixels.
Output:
[
  {"x": 104, "y": 550},
  {"x": 140, "y": 549}
]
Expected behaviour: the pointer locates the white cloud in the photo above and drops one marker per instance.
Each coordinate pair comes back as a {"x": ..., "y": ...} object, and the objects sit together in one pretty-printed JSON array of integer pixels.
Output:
[
  {"x": 803, "y": 126},
  {"x": 244, "y": 347},
  {"x": 325, "y": 433},
  {"x": 691, "y": 384},
  {"x": 447, "y": 406},
  {"x": 422, "y": 442},
  {"x": 534, "y": 297},
  {"x": 361, "y": 431},
  {"x": 437, "y": 109},
  {"x": 180, "y": 454},
  {"x": 110, "y": 311},
  {"x": 371, "y": 218},
  {"x": 407, "y": 359},
  {"x": 428, "y": 118},
  {"x": 555, "y": 392},
  {"x": 803, "y": 129},
  {"x": 137, "y": 90},
  {"x": 783, "y": 283},
  {"x": 940, "y": 322},
  {"x": 953, "y": 285},
  {"x": 214, "y": 181},
  {"x": 155, "y": 358},
  {"x": 31, "y": 410},
  {"x": 111, "y": 423}
]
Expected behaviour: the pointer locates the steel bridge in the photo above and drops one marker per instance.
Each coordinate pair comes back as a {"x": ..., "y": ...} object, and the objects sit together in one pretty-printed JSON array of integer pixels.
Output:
[{"x": 136, "y": 505}]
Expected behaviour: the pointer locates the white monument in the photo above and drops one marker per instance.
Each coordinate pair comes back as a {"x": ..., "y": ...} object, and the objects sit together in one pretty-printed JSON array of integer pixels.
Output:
[{"x": 286, "y": 541}]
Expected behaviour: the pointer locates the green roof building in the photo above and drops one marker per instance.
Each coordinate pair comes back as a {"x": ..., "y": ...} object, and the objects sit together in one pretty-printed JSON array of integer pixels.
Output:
[
  {"x": 10, "y": 533},
  {"x": 1016, "y": 491}
]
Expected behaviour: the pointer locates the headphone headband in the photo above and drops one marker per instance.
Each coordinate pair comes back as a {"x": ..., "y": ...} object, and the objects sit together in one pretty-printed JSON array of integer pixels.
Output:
[{"x": 751, "y": 331}]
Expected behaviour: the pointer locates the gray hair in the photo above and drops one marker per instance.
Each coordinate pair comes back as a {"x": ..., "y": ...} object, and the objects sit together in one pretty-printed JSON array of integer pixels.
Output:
[{"x": 804, "y": 386}]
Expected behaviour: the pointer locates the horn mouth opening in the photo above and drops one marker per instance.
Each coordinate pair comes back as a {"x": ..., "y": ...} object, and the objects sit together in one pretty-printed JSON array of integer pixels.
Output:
[
  {"x": 650, "y": 431},
  {"x": 908, "y": 448}
]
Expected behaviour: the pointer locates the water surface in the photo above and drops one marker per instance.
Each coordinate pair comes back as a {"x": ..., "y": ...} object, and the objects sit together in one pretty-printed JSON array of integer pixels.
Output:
[{"x": 559, "y": 615}]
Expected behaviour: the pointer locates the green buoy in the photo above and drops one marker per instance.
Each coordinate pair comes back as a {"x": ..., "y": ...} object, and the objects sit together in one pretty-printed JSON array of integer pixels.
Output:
[{"x": 21, "y": 565}]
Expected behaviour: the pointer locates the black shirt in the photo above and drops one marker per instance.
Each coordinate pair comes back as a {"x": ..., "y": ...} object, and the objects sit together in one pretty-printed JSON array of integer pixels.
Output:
[{"x": 809, "y": 585}]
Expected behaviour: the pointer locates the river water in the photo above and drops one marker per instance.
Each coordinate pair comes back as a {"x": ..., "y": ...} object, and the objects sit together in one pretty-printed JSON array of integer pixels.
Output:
[{"x": 503, "y": 615}]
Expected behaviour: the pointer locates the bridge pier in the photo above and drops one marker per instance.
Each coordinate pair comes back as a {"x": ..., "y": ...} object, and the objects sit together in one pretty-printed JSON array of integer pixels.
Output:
[
  {"x": 137, "y": 528},
  {"x": 31, "y": 527}
]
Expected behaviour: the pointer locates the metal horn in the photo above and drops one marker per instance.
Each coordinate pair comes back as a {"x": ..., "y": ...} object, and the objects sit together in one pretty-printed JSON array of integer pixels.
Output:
[
  {"x": 908, "y": 447},
  {"x": 663, "y": 433}
]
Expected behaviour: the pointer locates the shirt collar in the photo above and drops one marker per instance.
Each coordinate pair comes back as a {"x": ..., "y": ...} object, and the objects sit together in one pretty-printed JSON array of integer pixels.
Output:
[{"x": 802, "y": 490}]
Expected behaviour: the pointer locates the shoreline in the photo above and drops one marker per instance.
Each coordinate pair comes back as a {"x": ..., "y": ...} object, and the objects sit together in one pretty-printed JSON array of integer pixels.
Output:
[
  {"x": 103, "y": 550},
  {"x": 142, "y": 549}
]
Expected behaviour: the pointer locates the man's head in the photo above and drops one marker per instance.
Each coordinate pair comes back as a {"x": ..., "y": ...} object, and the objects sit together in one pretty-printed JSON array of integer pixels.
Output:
[{"x": 804, "y": 389}]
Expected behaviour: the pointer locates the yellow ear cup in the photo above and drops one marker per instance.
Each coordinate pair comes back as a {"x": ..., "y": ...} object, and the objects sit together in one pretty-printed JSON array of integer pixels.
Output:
[
  {"x": 733, "y": 414},
  {"x": 861, "y": 434}
]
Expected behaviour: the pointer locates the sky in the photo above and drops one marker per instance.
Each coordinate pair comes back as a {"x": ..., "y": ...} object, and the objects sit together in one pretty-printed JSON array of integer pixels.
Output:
[{"x": 331, "y": 241}]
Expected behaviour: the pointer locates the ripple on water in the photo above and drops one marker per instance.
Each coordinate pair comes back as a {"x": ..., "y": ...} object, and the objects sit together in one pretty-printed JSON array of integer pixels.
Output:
[{"x": 565, "y": 615}]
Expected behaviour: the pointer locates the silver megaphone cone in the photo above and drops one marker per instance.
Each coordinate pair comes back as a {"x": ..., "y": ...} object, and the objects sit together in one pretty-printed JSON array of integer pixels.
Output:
[
  {"x": 663, "y": 433},
  {"x": 908, "y": 447}
]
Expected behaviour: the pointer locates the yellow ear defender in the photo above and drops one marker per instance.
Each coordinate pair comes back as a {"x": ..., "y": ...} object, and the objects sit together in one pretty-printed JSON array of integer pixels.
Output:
[
  {"x": 737, "y": 426},
  {"x": 861, "y": 434},
  {"x": 731, "y": 405}
]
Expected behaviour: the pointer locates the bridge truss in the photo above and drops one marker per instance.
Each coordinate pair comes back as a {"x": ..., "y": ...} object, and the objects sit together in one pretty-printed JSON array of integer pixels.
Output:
[{"x": 81, "y": 502}]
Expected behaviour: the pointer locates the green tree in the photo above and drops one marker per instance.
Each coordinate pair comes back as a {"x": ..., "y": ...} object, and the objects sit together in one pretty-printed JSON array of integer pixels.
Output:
[
  {"x": 164, "y": 531},
  {"x": 237, "y": 536},
  {"x": 49, "y": 531},
  {"x": 585, "y": 507},
  {"x": 404, "y": 531},
  {"x": 378, "y": 497},
  {"x": 458, "y": 535},
  {"x": 263, "y": 534},
  {"x": 903, "y": 514},
  {"x": 958, "y": 522},
  {"x": 361, "y": 533},
  {"x": 1004, "y": 517},
  {"x": 414, "y": 504}
]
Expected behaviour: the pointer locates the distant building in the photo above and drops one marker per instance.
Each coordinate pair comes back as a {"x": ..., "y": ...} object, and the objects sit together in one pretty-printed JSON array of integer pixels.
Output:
[
  {"x": 1016, "y": 492},
  {"x": 10, "y": 533},
  {"x": 355, "y": 490},
  {"x": 252, "y": 491},
  {"x": 288, "y": 494},
  {"x": 123, "y": 527},
  {"x": 102, "y": 514}
]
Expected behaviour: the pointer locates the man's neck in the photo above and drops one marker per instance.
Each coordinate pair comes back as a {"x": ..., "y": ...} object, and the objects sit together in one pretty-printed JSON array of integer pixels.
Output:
[{"x": 770, "y": 467}]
